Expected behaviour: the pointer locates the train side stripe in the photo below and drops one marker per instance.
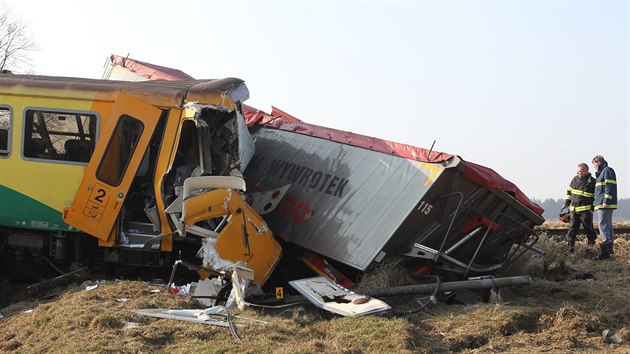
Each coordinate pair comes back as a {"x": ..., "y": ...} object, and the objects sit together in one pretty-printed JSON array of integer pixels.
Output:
[{"x": 21, "y": 211}]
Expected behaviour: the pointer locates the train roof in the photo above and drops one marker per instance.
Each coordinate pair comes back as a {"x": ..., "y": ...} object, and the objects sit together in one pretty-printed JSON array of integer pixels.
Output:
[{"x": 159, "y": 93}]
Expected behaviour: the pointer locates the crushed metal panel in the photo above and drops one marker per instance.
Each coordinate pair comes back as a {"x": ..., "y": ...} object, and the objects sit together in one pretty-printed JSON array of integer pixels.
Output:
[
  {"x": 206, "y": 290},
  {"x": 388, "y": 209},
  {"x": 267, "y": 201},
  {"x": 329, "y": 296},
  {"x": 344, "y": 202},
  {"x": 246, "y": 146},
  {"x": 241, "y": 238}
]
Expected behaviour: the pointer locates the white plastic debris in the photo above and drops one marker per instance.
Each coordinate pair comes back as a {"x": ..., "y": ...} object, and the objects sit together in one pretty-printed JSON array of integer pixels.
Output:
[
  {"x": 198, "y": 316},
  {"x": 242, "y": 285},
  {"x": 332, "y": 297},
  {"x": 91, "y": 287},
  {"x": 123, "y": 299},
  {"x": 130, "y": 325},
  {"x": 611, "y": 337},
  {"x": 180, "y": 290},
  {"x": 206, "y": 290},
  {"x": 155, "y": 291}
]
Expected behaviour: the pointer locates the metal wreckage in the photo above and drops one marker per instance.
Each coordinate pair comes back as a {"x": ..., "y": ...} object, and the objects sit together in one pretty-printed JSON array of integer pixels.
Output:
[
  {"x": 213, "y": 178},
  {"x": 359, "y": 201}
]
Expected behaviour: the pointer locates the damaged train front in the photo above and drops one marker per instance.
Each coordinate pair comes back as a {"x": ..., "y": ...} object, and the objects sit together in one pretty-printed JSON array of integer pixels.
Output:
[
  {"x": 208, "y": 198},
  {"x": 164, "y": 181}
]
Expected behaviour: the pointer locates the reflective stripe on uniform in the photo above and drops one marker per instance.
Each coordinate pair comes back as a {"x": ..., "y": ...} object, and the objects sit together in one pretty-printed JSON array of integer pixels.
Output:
[
  {"x": 608, "y": 196},
  {"x": 582, "y": 193},
  {"x": 608, "y": 206},
  {"x": 605, "y": 182},
  {"x": 580, "y": 208}
]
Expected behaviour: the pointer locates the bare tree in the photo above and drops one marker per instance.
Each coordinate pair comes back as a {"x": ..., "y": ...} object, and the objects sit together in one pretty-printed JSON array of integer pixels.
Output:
[{"x": 15, "y": 43}]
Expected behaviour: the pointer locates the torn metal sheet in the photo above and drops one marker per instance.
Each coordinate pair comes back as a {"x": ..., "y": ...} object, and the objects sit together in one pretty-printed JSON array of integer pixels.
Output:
[
  {"x": 246, "y": 146},
  {"x": 196, "y": 316},
  {"x": 241, "y": 237},
  {"x": 241, "y": 283},
  {"x": 206, "y": 290},
  {"x": 331, "y": 297},
  {"x": 265, "y": 202}
]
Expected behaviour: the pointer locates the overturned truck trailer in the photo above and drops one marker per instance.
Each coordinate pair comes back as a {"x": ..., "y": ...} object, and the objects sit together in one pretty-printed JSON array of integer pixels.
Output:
[{"x": 359, "y": 200}]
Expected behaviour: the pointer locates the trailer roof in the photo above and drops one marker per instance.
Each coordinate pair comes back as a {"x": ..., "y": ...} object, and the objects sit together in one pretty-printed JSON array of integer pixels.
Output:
[
  {"x": 148, "y": 70},
  {"x": 280, "y": 120},
  {"x": 479, "y": 174}
]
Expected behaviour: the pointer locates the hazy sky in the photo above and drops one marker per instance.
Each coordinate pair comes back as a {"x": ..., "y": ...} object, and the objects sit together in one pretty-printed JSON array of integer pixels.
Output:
[{"x": 528, "y": 88}]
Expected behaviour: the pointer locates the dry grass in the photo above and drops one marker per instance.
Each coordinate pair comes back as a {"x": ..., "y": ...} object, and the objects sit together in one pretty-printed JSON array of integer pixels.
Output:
[
  {"x": 554, "y": 224},
  {"x": 93, "y": 321},
  {"x": 559, "y": 313},
  {"x": 389, "y": 273}
]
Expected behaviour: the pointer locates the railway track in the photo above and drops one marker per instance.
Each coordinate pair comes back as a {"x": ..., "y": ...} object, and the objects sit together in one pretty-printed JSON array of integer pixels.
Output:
[{"x": 558, "y": 232}]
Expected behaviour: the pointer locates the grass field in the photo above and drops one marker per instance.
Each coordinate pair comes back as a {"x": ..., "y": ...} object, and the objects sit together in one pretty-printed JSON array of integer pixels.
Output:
[{"x": 560, "y": 313}]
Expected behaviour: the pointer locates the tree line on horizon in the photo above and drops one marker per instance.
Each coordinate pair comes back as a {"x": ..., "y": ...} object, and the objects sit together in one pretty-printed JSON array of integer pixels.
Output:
[{"x": 552, "y": 209}]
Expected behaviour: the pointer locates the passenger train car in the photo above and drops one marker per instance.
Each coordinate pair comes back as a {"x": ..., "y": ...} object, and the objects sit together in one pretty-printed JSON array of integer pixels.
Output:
[{"x": 133, "y": 173}]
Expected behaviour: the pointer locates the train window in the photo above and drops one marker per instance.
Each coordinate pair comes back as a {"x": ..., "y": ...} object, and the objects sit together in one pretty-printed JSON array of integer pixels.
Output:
[
  {"x": 62, "y": 136},
  {"x": 119, "y": 150},
  {"x": 5, "y": 131}
]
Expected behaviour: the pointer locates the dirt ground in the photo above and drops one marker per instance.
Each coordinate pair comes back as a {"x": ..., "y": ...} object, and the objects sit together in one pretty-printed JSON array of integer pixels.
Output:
[{"x": 572, "y": 301}]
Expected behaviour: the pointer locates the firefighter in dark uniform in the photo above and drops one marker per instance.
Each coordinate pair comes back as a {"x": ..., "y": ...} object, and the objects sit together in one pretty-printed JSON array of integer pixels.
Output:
[
  {"x": 605, "y": 203},
  {"x": 579, "y": 200}
]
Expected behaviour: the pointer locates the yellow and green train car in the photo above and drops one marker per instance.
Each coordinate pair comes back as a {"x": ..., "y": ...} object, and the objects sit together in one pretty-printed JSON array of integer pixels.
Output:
[{"x": 127, "y": 172}]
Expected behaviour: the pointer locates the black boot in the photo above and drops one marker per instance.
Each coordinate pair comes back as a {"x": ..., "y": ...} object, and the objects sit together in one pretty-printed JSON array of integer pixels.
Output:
[
  {"x": 571, "y": 248},
  {"x": 603, "y": 253},
  {"x": 610, "y": 248}
]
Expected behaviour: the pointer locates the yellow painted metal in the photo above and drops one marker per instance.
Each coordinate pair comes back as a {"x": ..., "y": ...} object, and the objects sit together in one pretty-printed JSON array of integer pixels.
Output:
[
  {"x": 435, "y": 170},
  {"x": 214, "y": 93},
  {"x": 111, "y": 239},
  {"x": 164, "y": 162},
  {"x": 245, "y": 238},
  {"x": 97, "y": 204},
  {"x": 51, "y": 183}
]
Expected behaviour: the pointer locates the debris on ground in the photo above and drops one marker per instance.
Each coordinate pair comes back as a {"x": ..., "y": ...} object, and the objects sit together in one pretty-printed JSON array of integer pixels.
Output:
[
  {"x": 325, "y": 294},
  {"x": 557, "y": 313}
]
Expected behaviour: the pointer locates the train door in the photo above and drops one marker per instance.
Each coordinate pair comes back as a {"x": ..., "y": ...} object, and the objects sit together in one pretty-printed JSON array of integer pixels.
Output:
[{"x": 111, "y": 170}]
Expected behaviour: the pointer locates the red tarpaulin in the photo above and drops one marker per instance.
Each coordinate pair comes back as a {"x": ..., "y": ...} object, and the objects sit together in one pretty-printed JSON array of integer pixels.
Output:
[
  {"x": 150, "y": 71},
  {"x": 473, "y": 172}
]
